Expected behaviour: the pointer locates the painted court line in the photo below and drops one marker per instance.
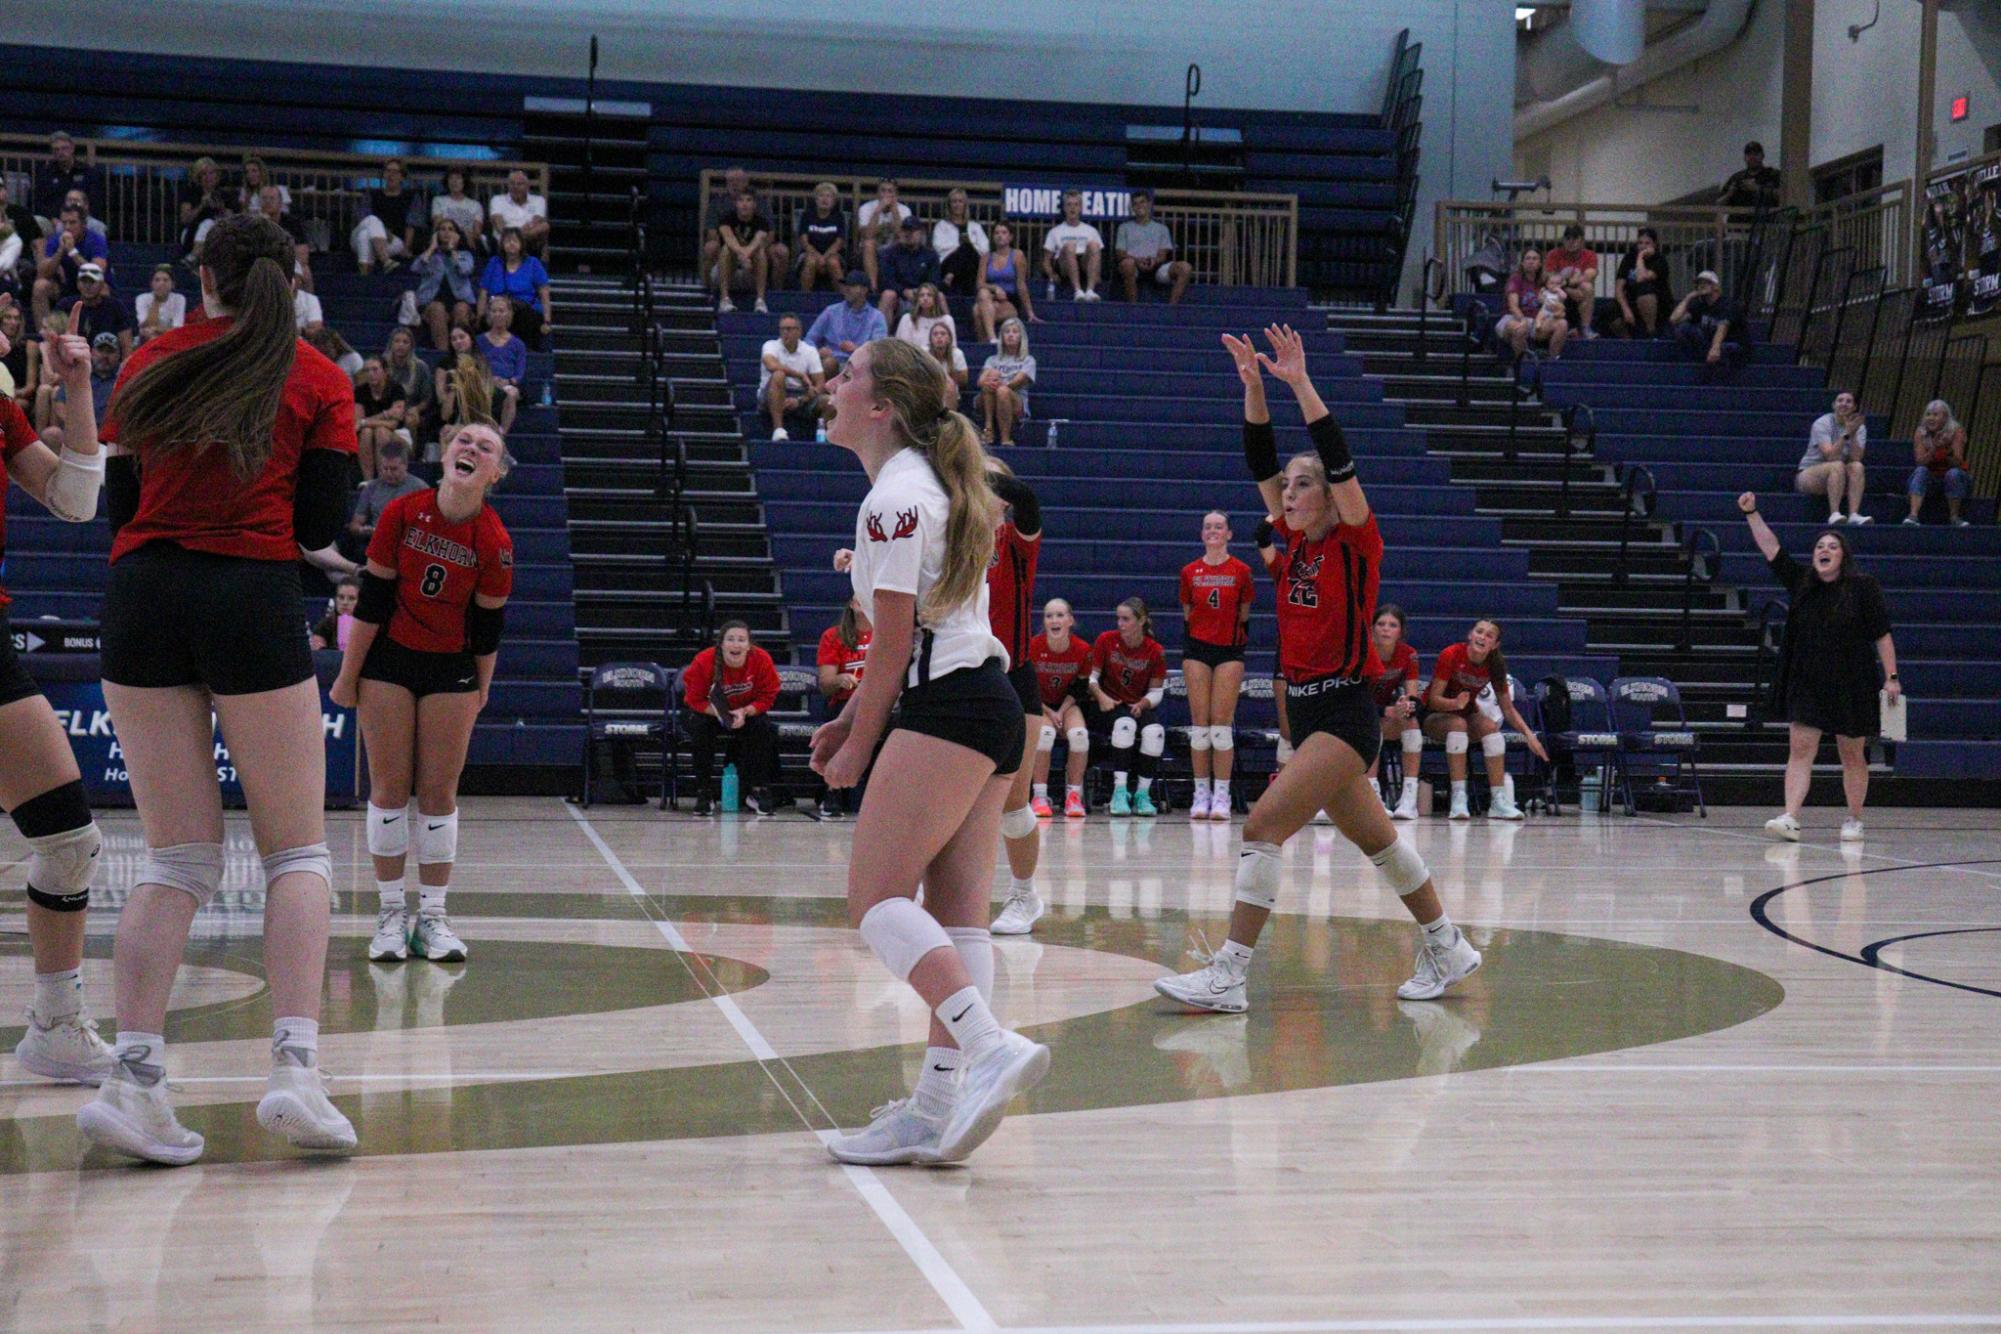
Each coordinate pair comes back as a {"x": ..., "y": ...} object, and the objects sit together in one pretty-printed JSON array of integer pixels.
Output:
[
  {"x": 938, "y": 1272},
  {"x": 1926, "y": 1321}
]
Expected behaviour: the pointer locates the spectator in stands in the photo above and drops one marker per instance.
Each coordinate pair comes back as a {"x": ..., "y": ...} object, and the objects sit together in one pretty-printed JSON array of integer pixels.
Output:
[
  {"x": 728, "y": 691},
  {"x": 11, "y": 248},
  {"x": 392, "y": 480},
  {"x": 746, "y": 254},
  {"x": 1756, "y": 186},
  {"x": 507, "y": 359},
  {"x": 1709, "y": 327},
  {"x": 1074, "y": 248},
  {"x": 1522, "y": 298},
  {"x": 330, "y": 631},
  {"x": 20, "y": 243},
  {"x": 273, "y": 207},
  {"x": 1832, "y": 464},
  {"x": 1837, "y": 634},
  {"x": 307, "y": 312},
  {"x": 200, "y": 200},
  {"x": 387, "y": 232},
  {"x": 1004, "y": 384},
  {"x": 464, "y": 386},
  {"x": 1552, "y": 319},
  {"x": 63, "y": 254},
  {"x": 80, "y": 201},
  {"x": 105, "y": 359},
  {"x": 1939, "y": 445},
  {"x": 903, "y": 268},
  {"x": 378, "y": 413},
  {"x": 876, "y": 227},
  {"x": 93, "y": 311},
  {"x": 465, "y": 212},
  {"x": 46, "y": 382},
  {"x": 520, "y": 209},
  {"x": 60, "y": 175},
  {"x": 840, "y": 330},
  {"x": 444, "y": 274},
  {"x": 1575, "y": 266},
  {"x": 250, "y": 195},
  {"x": 405, "y": 367},
  {"x": 336, "y": 349},
  {"x": 791, "y": 379},
  {"x": 722, "y": 208},
  {"x": 1641, "y": 288},
  {"x": 22, "y": 357},
  {"x": 1004, "y": 283},
  {"x": 1145, "y": 249},
  {"x": 961, "y": 244},
  {"x": 821, "y": 230},
  {"x": 944, "y": 349},
  {"x": 927, "y": 310},
  {"x": 520, "y": 278},
  {"x": 159, "y": 309}
]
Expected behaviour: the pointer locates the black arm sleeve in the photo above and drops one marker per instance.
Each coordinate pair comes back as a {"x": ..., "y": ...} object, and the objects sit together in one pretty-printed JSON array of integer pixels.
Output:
[
  {"x": 483, "y": 625},
  {"x": 322, "y": 500},
  {"x": 377, "y": 602},
  {"x": 1332, "y": 446},
  {"x": 121, "y": 490},
  {"x": 1261, "y": 450},
  {"x": 1021, "y": 498},
  {"x": 1266, "y": 535}
]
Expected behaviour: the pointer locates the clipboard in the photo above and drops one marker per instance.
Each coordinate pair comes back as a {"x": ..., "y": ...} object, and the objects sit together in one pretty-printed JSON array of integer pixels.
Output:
[{"x": 1894, "y": 726}]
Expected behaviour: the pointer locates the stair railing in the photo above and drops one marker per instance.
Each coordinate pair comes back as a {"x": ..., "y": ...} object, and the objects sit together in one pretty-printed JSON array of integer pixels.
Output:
[
  {"x": 1572, "y": 434},
  {"x": 1431, "y": 262},
  {"x": 1528, "y": 367},
  {"x": 1771, "y": 627},
  {"x": 1700, "y": 550},
  {"x": 1637, "y": 495},
  {"x": 1474, "y": 341}
]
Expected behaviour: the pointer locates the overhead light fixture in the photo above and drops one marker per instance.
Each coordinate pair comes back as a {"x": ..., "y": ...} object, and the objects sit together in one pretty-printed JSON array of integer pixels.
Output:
[{"x": 1523, "y": 13}]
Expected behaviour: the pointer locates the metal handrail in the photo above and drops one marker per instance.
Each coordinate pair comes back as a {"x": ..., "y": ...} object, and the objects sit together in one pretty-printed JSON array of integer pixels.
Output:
[
  {"x": 1570, "y": 416},
  {"x": 1692, "y": 544},
  {"x": 1424, "y": 306},
  {"x": 1534, "y": 364},
  {"x": 1633, "y": 502},
  {"x": 1754, "y": 716}
]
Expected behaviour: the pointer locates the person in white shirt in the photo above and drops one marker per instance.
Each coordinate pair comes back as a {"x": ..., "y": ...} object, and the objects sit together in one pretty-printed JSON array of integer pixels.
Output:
[
  {"x": 307, "y": 312},
  {"x": 791, "y": 379},
  {"x": 1075, "y": 248},
  {"x": 518, "y": 208},
  {"x": 961, "y": 244},
  {"x": 927, "y": 309},
  {"x": 932, "y": 812},
  {"x": 877, "y": 224},
  {"x": 159, "y": 308}
]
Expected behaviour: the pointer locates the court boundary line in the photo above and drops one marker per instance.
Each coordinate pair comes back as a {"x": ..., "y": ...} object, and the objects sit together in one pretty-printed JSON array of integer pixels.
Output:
[
  {"x": 950, "y": 1287},
  {"x": 1907, "y": 1321}
]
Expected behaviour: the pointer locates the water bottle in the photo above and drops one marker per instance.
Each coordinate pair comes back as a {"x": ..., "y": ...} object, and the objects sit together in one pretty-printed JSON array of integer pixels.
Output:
[
  {"x": 548, "y": 395},
  {"x": 1053, "y": 424},
  {"x": 732, "y": 797},
  {"x": 820, "y": 432}
]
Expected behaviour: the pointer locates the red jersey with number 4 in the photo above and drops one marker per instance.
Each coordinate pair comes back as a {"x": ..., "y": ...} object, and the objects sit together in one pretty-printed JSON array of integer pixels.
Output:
[
  {"x": 1059, "y": 673},
  {"x": 1327, "y": 600},
  {"x": 1011, "y": 590},
  {"x": 1400, "y": 670},
  {"x": 439, "y": 566},
  {"x": 1215, "y": 596},
  {"x": 844, "y": 660},
  {"x": 15, "y": 435},
  {"x": 1463, "y": 676},
  {"x": 1127, "y": 673}
]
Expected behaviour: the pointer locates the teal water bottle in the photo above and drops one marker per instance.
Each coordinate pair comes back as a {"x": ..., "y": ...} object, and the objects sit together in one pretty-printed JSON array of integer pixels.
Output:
[{"x": 732, "y": 798}]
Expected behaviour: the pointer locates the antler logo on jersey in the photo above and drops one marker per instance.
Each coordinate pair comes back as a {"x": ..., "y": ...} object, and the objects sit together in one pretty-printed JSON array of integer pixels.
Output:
[
  {"x": 906, "y": 524},
  {"x": 1305, "y": 568}
]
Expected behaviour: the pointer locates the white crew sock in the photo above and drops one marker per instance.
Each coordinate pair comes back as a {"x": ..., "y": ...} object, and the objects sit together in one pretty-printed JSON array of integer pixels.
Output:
[
  {"x": 1441, "y": 932},
  {"x": 1459, "y": 789},
  {"x": 391, "y": 894},
  {"x": 295, "y": 1041},
  {"x": 970, "y": 1022},
  {"x": 1042, "y": 791},
  {"x": 1201, "y": 791},
  {"x": 1016, "y": 885},
  {"x": 1144, "y": 784},
  {"x": 1235, "y": 958},
  {"x": 938, "y": 1084},
  {"x": 1410, "y": 789},
  {"x": 58, "y": 995},
  {"x": 1074, "y": 790},
  {"x": 1118, "y": 780}
]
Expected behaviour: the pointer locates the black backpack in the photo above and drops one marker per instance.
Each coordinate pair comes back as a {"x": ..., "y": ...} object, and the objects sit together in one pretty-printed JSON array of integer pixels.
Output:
[{"x": 1555, "y": 704}]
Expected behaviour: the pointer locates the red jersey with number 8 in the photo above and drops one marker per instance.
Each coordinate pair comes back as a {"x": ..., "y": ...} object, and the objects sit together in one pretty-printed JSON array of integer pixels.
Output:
[
  {"x": 1215, "y": 596},
  {"x": 1327, "y": 600},
  {"x": 440, "y": 566}
]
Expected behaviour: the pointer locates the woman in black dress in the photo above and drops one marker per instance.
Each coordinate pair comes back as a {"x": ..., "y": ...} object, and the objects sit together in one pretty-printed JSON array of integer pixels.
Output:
[{"x": 1826, "y": 681}]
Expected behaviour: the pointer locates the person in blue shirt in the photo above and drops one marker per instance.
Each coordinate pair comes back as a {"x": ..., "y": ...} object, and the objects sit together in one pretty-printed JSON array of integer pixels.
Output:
[
  {"x": 841, "y": 329},
  {"x": 63, "y": 255},
  {"x": 507, "y": 358},
  {"x": 518, "y": 278},
  {"x": 905, "y": 267}
]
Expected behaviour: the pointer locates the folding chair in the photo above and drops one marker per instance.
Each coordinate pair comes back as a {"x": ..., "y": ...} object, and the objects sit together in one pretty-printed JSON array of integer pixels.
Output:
[
  {"x": 1655, "y": 739},
  {"x": 1535, "y": 783},
  {"x": 620, "y": 710},
  {"x": 1591, "y": 740}
]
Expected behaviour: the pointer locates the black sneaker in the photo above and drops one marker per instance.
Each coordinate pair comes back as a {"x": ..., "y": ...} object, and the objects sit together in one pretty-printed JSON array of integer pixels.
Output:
[
  {"x": 705, "y": 806},
  {"x": 831, "y": 808},
  {"x": 761, "y": 801}
]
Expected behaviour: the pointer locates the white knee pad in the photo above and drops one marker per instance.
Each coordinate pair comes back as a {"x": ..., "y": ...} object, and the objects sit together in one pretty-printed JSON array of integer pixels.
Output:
[
  {"x": 1198, "y": 738},
  {"x": 1455, "y": 743},
  {"x": 61, "y": 867},
  {"x": 1403, "y": 867},
  {"x": 1222, "y": 736},
  {"x": 1493, "y": 744},
  {"x": 1413, "y": 740},
  {"x": 1284, "y": 754},
  {"x": 1257, "y": 875},
  {"x": 1018, "y": 823},
  {"x": 193, "y": 868},
  {"x": 1124, "y": 731},
  {"x": 388, "y": 831},
  {"x": 435, "y": 837},
  {"x": 975, "y": 945},
  {"x": 1153, "y": 740},
  {"x": 312, "y": 859},
  {"x": 900, "y": 933},
  {"x": 1046, "y": 742},
  {"x": 1079, "y": 739}
]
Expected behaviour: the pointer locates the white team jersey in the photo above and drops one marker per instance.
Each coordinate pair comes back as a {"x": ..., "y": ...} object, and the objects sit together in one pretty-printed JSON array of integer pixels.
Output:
[{"x": 900, "y": 548}]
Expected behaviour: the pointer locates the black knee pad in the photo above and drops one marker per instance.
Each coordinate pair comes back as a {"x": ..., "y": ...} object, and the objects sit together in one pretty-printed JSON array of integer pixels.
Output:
[{"x": 56, "y": 811}]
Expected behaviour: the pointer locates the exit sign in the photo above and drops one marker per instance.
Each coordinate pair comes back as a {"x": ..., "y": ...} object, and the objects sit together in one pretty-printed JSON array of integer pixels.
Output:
[{"x": 1960, "y": 108}]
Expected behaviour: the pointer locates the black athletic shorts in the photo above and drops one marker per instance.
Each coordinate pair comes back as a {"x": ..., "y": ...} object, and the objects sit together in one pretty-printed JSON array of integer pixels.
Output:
[
  {"x": 15, "y": 683},
  {"x": 1344, "y": 710},
  {"x": 1212, "y": 655},
  {"x": 175, "y": 617},
  {"x": 1026, "y": 688},
  {"x": 419, "y": 672},
  {"x": 974, "y": 707}
]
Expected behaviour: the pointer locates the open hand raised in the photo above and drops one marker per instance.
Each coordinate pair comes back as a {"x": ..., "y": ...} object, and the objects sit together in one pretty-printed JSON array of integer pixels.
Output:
[
  {"x": 1288, "y": 359},
  {"x": 1246, "y": 356}
]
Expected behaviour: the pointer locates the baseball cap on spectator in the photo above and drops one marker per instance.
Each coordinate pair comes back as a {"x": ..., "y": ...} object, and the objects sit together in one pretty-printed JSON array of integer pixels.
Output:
[
  {"x": 91, "y": 270},
  {"x": 1709, "y": 276},
  {"x": 105, "y": 339},
  {"x": 855, "y": 278},
  {"x": 913, "y": 224}
]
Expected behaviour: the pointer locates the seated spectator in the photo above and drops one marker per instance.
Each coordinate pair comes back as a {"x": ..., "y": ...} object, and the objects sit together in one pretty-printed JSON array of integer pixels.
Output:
[
  {"x": 1757, "y": 186},
  {"x": 1832, "y": 464},
  {"x": 250, "y": 194},
  {"x": 58, "y": 176},
  {"x": 20, "y": 243},
  {"x": 93, "y": 311},
  {"x": 746, "y": 252},
  {"x": 378, "y": 413},
  {"x": 1939, "y": 445},
  {"x": 1004, "y": 384},
  {"x": 330, "y": 632},
  {"x": 1575, "y": 265},
  {"x": 944, "y": 350},
  {"x": 46, "y": 382},
  {"x": 63, "y": 254},
  {"x": 1004, "y": 285},
  {"x": 465, "y": 212},
  {"x": 1074, "y": 248},
  {"x": 841, "y": 660},
  {"x": 840, "y": 329},
  {"x": 877, "y": 227},
  {"x": 80, "y": 201},
  {"x": 927, "y": 310},
  {"x": 517, "y": 278},
  {"x": 464, "y": 386},
  {"x": 200, "y": 200},
  {"x": 821, "y": 230},
  {"x": 392, "y": 480},
  {"x": 387, "y": 232},
  {"x": 105, "y": 359},
  {"x": 1552, "y": 319},
  {"x": 11, "y": 247},
  {"x": 1145, "y": 249},
  {"x": 903, "y": 268},
  {"x": 722, "y": 209},
  {"x": 1522, "y": 322},
  {"x": 159, "y": 308},
  {"x": 1709, "y": 327},
  {"x": 507, "y": 360},
  {"x": 21, "y": 358},
  {"x": 791, "y": 380},
  {"x": 961, "y": 244},
  {"x": 271, "y": 203},
  {"x": 519, "y": 209},
  {"x": 728, "y": 691},
  {"x": 444, "y": 275},
  {"x": 307, "y": 312},
  {"x": 420, "y": 397},
  {"x": 336, "y": 349},
  {"x": 1641, "y": 289}
]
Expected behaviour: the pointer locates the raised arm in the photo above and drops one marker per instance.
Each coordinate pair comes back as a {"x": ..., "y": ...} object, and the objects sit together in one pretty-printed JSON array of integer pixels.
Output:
[
  {"x": 1260, "y": 445},
  {"x": 1288, "y": 363},
  {"x": 1761, "y": 533}
]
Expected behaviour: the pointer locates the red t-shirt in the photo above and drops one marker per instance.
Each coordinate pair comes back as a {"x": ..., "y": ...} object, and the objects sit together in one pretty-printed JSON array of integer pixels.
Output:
[
  {"x": 1327, "y": 600},
  {"x": 196, "y": 500},
  {"x": 850, "y": 661},
  {"x": 439, "y": 566},
  {"x": 1011, "y": 590},
  {"x": 753, "y": 685},
  {"x": 15, "y": 435},
  {"x": 1583, "y": 259},
  {"x": 1463, "y": 676},
  {"x": 1058, "y": 673},
  {"x": 1126, "y": 674},
  {"x": 1215, "y": 596},
  {"x": 1399, "y": 670}
]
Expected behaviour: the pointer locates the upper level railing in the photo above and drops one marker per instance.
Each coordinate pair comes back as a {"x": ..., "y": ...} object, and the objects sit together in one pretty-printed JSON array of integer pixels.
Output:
[
  {"x": 141, "y": 181},
  {"x": 1230, "y": 239}
]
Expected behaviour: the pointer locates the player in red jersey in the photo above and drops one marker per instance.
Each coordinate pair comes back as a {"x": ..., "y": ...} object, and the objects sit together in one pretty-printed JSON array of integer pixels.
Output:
[
  {"x": 1216, "y": 596},
  {"x": 1010, "y": 609},
  {"x": 419, "y": 663},
  {"x": 1398, "y": 695},
  {"x": 1128, "y": 680},
  {"x": 1062, "y": 663},
  {"x": 841, "y": 659},
  {"x": 728, "y": 691},
  {"x": 238, "y": 438},
  {"x": 1325, "y": 554},
  {"x": 1463, "y": 671},
  {"x": 40, "y": 785}
]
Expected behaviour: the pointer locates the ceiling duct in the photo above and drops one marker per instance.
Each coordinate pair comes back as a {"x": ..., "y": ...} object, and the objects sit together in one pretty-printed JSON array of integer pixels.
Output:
[{"x": 1556, "y": 78}]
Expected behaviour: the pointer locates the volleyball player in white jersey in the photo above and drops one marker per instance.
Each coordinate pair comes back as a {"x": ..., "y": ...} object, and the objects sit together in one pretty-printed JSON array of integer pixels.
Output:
[{"x": 932, "y": 813}]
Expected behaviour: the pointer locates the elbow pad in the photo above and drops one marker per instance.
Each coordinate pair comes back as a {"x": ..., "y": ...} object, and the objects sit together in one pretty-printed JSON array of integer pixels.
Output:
[
  {"x": 1261, "y": 450},
  {"x": 71, "y": 494},
  {"x": 483, "y": 629},
  {"x": 121, "y": 490},
  {"x": 1155, "y": 695},
  {"x": 321, "y": 499},
  {"x": 1332, "y": 446},
  {"x": 378, "y": 599}
]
